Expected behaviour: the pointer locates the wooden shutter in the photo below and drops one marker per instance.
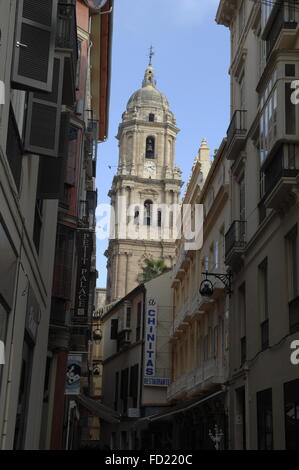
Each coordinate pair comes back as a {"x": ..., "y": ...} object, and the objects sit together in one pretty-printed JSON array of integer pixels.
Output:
[
  {"x": 43, "y": 116},
  {"x": 34, "y": 44},
  {"x": 52, "y": 170}
]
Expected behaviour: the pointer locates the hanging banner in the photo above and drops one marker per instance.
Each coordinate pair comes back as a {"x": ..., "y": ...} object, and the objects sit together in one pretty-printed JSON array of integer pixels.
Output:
[
  {"x": 150, "y": 337},
  {"x": 85, "y": 246},
  {"x": 73, "y": 375}
]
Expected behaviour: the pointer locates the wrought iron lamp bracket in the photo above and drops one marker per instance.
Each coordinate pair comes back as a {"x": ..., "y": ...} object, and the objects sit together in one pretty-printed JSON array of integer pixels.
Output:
[{"x": 226, "y": 280}]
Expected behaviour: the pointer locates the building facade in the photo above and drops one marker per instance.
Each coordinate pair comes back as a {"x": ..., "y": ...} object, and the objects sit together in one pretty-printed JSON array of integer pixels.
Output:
[
  {"x": 147, "y": 184},
  {"x": 32, "y": 138},
  {"x": 48, "y": 197},
  {"x": 261, "y": 246},
  {"x": 68, "y": 423},
  {"x": 136, "y": 360},
  {"x": 199, "y": 331}
]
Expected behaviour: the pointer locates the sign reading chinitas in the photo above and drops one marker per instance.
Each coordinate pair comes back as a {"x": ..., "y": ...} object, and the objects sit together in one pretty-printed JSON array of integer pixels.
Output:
[
  {"x": 150, "y": 337},
  {"x": 85, "y": 244}
]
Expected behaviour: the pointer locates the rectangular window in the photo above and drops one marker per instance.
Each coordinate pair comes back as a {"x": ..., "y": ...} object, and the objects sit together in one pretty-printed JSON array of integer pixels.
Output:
[
  {"x": 268, "y": 119},
  {"x": 242, "y": 324},
  {"x": 290, "y": 70},
  {"x": 124, "y": 389},
  {"x": 114, "y": 328},
  {"x": 128, "y": 317},
  {"x": 263, "y": 303},
  {"x": 291, "y": 410},
  {"x": 134, "y": 384},
  {"x": 263, "y": 289},
  {"x": 264, "y": 419},
  {"x": 116, "y": 390}
]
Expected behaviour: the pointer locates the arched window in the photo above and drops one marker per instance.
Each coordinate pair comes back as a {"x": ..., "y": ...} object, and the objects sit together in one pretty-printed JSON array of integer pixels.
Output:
[
  {"x": 151, "y": 117},
  {"x": 148, "y": 212},
  {"x": 150, "y": 147}
]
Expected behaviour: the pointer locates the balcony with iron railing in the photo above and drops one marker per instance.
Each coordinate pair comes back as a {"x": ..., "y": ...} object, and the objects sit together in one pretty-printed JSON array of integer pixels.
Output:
[
  {"x": 66, "y": 30},
  {"x": 281, "y": 180},
  {"x": 283, "y": 28},
  {"x": 181, "y": 263},
  {"x": 236, "y": 134},
  {"x": 86, "y": 216},
  {"x": 200, "y": 379},
  {"x": 67, "y": 43},
  {"x": 235, "y": 242}
]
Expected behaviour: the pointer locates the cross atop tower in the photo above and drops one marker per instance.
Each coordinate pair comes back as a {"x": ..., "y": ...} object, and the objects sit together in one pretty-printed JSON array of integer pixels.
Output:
[{"x": 151, "y": 54}]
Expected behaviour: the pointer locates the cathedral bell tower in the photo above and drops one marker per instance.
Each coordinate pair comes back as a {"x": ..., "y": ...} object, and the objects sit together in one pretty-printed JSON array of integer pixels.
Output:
[{"x": 144, "y": 190}]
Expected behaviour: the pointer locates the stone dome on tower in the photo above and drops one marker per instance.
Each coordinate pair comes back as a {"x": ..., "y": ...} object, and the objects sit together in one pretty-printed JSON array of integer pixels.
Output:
[
  {"x": 148, "y": 99},
  {"x": 148, "y": 95}
]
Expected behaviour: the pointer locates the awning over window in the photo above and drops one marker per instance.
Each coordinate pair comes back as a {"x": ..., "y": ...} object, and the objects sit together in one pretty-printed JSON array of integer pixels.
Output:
[{"x": 98, "y": 409}]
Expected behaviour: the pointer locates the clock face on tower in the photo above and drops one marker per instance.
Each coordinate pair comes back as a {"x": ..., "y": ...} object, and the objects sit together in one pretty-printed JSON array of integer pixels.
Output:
[{"x": 149, "y": 169}]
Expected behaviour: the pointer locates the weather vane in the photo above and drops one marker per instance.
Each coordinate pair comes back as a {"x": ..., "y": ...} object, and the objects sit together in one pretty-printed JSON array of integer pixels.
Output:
[{"x": 151, "y": 54}]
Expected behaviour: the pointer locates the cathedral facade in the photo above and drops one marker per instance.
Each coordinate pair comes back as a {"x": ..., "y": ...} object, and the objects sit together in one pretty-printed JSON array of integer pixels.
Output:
[{"x": 145, "y": 191}]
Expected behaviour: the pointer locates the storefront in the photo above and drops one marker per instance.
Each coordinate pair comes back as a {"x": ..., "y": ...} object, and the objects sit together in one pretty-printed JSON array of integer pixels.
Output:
[{"x": 190, "y": 425}]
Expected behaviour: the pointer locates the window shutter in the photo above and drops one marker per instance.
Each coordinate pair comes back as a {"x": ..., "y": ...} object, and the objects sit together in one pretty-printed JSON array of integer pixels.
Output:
[
  {"x": 34, "y": 44},
  {"x": 52, "y": 170},
  {"x": 43, "y": 117}
]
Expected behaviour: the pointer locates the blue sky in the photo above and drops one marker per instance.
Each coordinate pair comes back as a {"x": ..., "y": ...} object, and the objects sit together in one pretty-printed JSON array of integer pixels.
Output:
[{"x": 191, "y": 64}]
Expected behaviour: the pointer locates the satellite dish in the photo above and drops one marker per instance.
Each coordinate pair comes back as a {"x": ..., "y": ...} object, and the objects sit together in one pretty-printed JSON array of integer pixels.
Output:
[{"x": 95, "y": 4}]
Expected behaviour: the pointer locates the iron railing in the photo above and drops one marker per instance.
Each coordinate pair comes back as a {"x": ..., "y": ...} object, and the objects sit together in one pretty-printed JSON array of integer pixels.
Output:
[
  {"x": 235, "y": 236},
  {"x": 277, "y": 169},
  {"x": 66, "y": 32},
  {"x": 238, "y": 125},
  {"x": 285, "y": 18}
]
